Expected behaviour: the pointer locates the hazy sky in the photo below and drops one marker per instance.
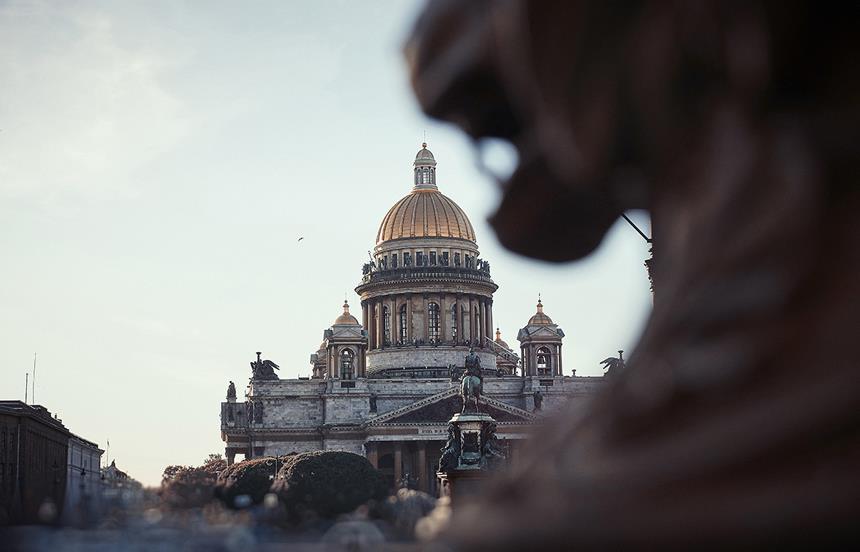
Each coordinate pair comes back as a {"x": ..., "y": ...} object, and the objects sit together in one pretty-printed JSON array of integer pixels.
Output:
[{"x": 159, "y": 161}]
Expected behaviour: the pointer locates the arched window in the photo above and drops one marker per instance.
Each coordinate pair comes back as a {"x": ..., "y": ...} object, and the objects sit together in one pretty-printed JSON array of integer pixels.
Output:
[
  {"x": 544, "y": 362},
  {"x": 402, "y": 335},
  {"x": 347, "y": 358},
  {"x": 433, "y": 322},
  {"x": 454, "y": 322},
  {"x": 386, "y": 326}
]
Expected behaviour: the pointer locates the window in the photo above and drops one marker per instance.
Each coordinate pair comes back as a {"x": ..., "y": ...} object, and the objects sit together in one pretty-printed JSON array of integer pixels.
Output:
[
  {"x": 456, "y": 259},
  {"x": 419, "y": 258},
  {"x": 402, "y": 335},
  {"x": 445, "y": 258},
  {"x": 346, "y": 362},
  {"x": 394, "y": 260},
  {"x": 433, "y": 322},
  {"x": 454, "y": 321},
  {"x": 407, "y": 259},
  {"x": 386, "y": 326},
  {"x": 544, "y": 362},
  {"x": 432, "y": 258}
]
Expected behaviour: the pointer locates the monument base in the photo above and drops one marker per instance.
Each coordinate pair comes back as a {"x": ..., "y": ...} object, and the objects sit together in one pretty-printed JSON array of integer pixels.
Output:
[
  {"x": 457, "y": 484},
  {"x": 469, "y": 455}
]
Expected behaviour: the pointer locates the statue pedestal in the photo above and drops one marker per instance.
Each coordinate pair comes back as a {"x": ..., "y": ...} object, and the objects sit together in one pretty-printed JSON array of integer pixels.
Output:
[{"x": 469, "y": 455}]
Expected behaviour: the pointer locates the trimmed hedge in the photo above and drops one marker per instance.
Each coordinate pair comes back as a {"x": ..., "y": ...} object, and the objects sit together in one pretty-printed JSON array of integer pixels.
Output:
[
  {"x": 327, "y": 483},
  {"x": 251, "y": 478}
]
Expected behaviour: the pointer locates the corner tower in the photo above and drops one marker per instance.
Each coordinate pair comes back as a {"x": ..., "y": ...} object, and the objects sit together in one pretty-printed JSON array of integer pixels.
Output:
[
  {"x": 540, "y": 345},
  {"x": 426, "y": 295}
]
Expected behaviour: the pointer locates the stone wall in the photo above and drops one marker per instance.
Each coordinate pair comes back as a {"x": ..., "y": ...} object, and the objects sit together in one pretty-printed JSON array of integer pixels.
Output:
[{"x": 400, "y": 357}]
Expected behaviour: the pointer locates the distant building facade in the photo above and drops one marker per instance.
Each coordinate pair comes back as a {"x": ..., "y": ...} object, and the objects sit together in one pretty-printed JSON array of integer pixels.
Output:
[
  {"x": 34, "y": 449},
  {"x": 386, "y": 386},
  {"x": 83, "y": 481}
]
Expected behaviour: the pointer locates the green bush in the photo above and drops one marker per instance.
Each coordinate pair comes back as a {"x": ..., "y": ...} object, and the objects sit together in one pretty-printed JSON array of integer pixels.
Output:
[
  {"x": 327, "y": 483},
  {"x": 191, "y": 487},
  {"x": 249, "y": 478}
]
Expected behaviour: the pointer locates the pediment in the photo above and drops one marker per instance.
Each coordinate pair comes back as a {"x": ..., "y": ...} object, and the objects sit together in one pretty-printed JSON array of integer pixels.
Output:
[
  {"x": 532, "y": 332},
  {"x": 439, "y": 408}
]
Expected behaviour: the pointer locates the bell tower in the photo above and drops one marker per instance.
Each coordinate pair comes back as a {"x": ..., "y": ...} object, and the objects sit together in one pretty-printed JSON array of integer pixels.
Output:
[{"x": 540, "y": 345}]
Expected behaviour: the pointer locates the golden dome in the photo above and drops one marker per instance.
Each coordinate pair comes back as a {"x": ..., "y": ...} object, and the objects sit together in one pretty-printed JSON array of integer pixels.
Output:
[
  {"x": 425, "y": 213},
  {"x": 540, "y": 319},
  {"x": 501, "y": 342},
  {"x": 346, "y": 318}
]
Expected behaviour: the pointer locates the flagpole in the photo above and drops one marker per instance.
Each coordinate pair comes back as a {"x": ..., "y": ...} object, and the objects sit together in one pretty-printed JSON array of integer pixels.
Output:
[{"x": 34, "y": 378}]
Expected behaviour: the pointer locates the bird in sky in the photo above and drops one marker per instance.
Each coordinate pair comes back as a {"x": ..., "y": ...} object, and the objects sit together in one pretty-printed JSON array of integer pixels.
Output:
[{"x": 300, "y": 239}]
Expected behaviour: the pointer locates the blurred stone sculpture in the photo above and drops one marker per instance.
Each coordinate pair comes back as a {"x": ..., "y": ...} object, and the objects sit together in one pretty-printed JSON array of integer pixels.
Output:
[
  {"x": 538, "y": 398},
  {"x": 231, "y": 391},
  {"x": 613, "y": 365},
  {"x": 736, "y": 125}
]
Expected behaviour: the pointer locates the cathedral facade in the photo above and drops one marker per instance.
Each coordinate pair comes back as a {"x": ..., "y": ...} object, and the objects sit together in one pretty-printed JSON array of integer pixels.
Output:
[{"x": 386, "y": 386}]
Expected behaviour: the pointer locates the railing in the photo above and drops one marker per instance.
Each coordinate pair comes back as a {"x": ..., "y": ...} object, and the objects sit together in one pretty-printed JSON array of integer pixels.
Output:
[
  {"x": 500, "y": 351},
  {"x": 421, "y": 272}
]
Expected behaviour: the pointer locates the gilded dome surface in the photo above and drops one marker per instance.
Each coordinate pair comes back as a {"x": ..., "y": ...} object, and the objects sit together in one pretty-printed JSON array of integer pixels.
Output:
[
  {"x": 346, "y": 318},
  {"x": 501, "y": 342},
  {"x": 539, "y": 318},
  {"x": 425, "y": 213}
]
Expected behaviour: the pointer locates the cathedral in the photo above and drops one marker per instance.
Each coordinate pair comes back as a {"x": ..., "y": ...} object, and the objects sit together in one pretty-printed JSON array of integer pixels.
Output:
[{"x": 386, "y": 386}]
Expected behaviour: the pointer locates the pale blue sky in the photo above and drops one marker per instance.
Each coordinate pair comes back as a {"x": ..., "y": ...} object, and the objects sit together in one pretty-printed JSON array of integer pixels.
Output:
[{"x": 159, "y": 160}]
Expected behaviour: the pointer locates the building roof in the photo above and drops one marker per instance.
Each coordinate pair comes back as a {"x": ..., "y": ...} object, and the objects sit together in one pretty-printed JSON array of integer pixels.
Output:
[
  {"x": 501, "y": 342},
  {"x": 539, "y": 318},
  {"x": 34, "y": 411},
  {"x": 425, "y": 212},
  {"x": 425, "y": 157},
  {"x": 346, "y": 318}
]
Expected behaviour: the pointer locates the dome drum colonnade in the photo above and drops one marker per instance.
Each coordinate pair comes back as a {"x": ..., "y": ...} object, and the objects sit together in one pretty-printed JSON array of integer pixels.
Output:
[{"x": 426, "y": 285}]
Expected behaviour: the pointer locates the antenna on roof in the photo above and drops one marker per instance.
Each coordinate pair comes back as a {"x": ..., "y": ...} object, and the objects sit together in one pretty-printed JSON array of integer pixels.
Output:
[{"x": 34, "y": 378}]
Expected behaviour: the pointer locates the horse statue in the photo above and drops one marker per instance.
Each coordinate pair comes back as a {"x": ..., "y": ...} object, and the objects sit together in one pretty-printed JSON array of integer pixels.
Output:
[
  {"x": 470, "y": 384},
  {"x": 263, "y": 369}
]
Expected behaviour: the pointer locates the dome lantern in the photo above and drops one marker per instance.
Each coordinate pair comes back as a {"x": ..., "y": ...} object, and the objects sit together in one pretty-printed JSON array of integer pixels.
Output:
[{"x": 425, "y": 169}]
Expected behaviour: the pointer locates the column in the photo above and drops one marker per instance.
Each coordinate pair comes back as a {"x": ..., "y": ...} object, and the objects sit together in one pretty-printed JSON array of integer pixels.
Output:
[
  {"x": 372, "y": 454},
  {"x": 409, "y": 333},
  {"x": 490, "y": 327},
  {"x": 231, "y": 456},
  {"x": 471, "y": 306},
  {"x": 422, "y": 467},
  {"x": 444, "y": 330},
  {"x": 560, "y": 373},
  {"x": 398, "y": 463},
  {"x": 371, "y": 324},
  {"x": 426, "y": 332},
  {"x": 335, "y": 361},
  {"x": 460, "y": 320},
  {"x": 392, "y": 320},
  {"x": 525, "y": 360},
  {"x": 485, "y": 318},
  {"x": 379, "y": 332},
  {"x": 364, "y": 319}
]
